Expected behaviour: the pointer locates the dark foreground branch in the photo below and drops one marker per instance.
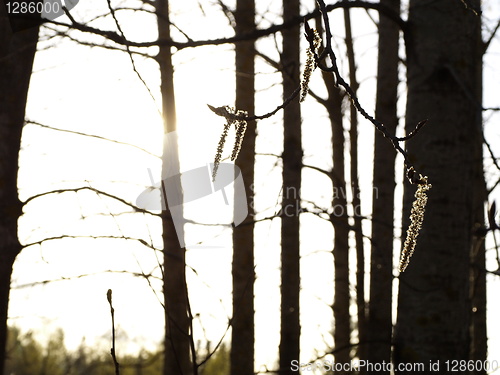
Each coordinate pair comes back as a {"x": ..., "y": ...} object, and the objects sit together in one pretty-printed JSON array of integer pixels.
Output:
[
  {"x": 113, "y": 348},
  {"x": 253, "y": 35}
]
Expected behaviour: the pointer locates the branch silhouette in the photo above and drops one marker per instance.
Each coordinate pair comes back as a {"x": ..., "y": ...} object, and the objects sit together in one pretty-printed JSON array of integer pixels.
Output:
[{"x": 253, "y": 35}]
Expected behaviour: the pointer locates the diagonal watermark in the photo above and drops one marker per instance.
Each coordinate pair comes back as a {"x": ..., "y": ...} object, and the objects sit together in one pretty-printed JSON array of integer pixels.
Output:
[{"x": 194, "y": 187}]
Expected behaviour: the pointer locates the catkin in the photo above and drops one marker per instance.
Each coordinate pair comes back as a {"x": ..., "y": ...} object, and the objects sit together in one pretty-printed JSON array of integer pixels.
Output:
[
  {"x": 309, "y": 67},
  {"x": 233, "y": 117},
  {"x": 416, "y": 220}
]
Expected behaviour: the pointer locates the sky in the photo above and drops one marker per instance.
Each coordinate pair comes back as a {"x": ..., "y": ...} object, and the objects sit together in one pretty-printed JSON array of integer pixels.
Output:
[{"x": 95, "y": 91}]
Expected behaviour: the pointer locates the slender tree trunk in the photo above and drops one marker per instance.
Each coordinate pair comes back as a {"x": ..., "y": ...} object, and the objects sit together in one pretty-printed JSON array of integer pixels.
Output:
[
  {"x": 177, "y": 359},
  {"x": 444, "y": 65},
  {"x": 356, "y": 200},
  {"x": 242, "y": 335},
  {"x": 17, "y": 51},
  {"x": 289, "y": 348},
  {"x": 339, "y": 220},
  {"x": 380, "y": 310}
]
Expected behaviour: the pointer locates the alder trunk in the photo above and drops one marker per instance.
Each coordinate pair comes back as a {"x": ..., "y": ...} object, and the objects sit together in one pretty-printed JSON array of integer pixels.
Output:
[
  {"x": 444, "y": 85},
  {"x": 339, "y": 220},
  {"x": 178, "y": 334},
  {"x": 381, "y": 269},
  {"x": 17, "y": 51},
  {"x": 289, "y": 347},
  {"x": 356, "y": 200},
  {"x": 242, "y": 334}
]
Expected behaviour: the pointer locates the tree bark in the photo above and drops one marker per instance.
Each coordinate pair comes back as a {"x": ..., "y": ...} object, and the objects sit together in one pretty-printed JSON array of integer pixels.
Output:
[
  {"x": 17, "y": 51},
  {"x": 242, "y": 335},
  {"x": 289, "y": 348},
  {"x": 381, "y": 269},
  {"x": 444, "y": 80},
  {"x": 340, "y": 222},
  {"x": 178, "y": 334}
]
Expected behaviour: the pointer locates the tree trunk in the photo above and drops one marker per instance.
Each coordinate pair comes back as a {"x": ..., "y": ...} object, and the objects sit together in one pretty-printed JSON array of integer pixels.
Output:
[
  {"x": 177, "y": 359},
  {"x": 338, "y": 217},
  {"x": 242, "y": 335},
  {"x": 444, "y": 80},
  {"x": 17, "y": 51},
  {"x": 356, "y": 201},
  {"x": 380, "y": 310},
  {"x": 339, "y": 220},
  {"x": 289, "y": 348}
]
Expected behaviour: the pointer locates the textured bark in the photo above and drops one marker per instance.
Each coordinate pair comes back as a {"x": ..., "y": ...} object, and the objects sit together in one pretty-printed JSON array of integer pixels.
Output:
[
  {"x": 289, "y": 347},
  {"x": 381, "y": 269},
  {"x": 17, "y": 51},
  {"x": 242, "y": 334},
  {"x": 177, "y": 359},
  {"x": 444, "y": 73}
]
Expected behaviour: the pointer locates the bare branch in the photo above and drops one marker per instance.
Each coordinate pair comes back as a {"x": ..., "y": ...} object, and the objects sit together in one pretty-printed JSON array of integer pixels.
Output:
[
  {"x": 256, "y": 34},
  {"x": 328, "y": 52},
  {"x": 68, "y": 278},
  {"x": 472, "y": 8},
  {"x": 490, "y": 150},
  {"x": 490, "y": 39},
  {"x": 419, "y": 126},
  {"x": 58, "y": 33},
  {"x": 129, "y": 52},
  {"x": 91, "y": 136},
  {"x": 74, "y": 190},
  {"x": 65, "y": 236}
]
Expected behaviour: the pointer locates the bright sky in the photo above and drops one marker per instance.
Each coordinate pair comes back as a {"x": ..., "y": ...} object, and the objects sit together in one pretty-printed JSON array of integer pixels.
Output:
[{"x": 95, "y": 91}]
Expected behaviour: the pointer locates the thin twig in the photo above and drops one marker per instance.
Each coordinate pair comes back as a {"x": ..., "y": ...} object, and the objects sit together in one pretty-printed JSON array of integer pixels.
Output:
[
  {"x": 97, "y": 191},
  {"x": 113, "y": 347},
  {"x": 91, "y": 136},
  {"x": 411, "y": 174},
  {"x": 472, "y": 8},
  {"x": 491, "y": 37},
  {"x": 264, "y": 116},
  {"x": 129, "y": 52},
  {"x": 93, "y": 274},
  {"x": 413, "y": 177},
  {"x": 66, "y": 236}
]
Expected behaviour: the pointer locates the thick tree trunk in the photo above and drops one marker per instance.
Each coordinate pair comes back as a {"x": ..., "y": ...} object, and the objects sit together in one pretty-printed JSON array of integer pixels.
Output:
[
  {"x": 289, "y": 348},
  {"x": 444, "y": 65},
  {"x": 17, "y": 51},
  {"x": 381, "y": 270},
  {"x": 177, "y": 359},
  {"x": 242, "y": 335}
]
